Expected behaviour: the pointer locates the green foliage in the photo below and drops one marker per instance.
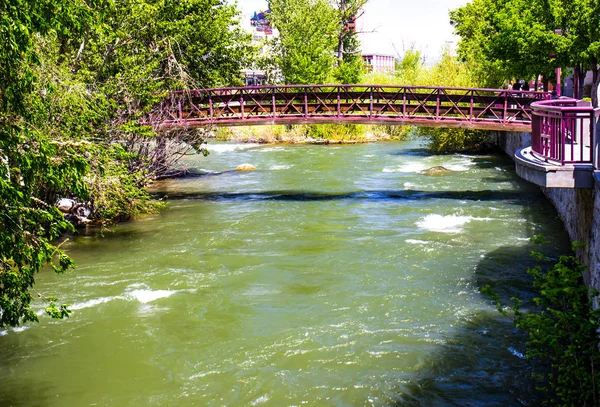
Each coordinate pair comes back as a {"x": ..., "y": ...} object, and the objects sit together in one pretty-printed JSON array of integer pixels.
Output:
[
  {"x": 31, "y": 168},
  {"x": 349, "y": 71},
  {"x": 75, "y": 79},
  {"x": 116, "y": 193},
  {"x": 410, "y": 68},
  {"x": 517, "y": 39},
  {"x": 337, "y": 132},
  {"x": 563, "y": 332},
  {"x": 451, "y": 141},
  {"x": 350, "y": 65},
  {"x": 307, "y": 37},
  {"x": 21, "y": 22},
  {"x": 447, "y": 71}
]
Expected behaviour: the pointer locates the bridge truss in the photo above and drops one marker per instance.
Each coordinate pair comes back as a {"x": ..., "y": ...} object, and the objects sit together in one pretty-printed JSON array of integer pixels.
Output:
[{"x": 487, "y": 109}]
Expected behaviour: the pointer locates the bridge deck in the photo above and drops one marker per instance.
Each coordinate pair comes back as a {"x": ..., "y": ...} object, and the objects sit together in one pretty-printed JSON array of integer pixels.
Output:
[{"x": 487, "y": 109}]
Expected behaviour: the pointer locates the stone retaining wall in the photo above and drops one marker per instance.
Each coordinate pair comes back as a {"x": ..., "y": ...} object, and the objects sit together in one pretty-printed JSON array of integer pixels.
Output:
[{"x": 579, "y": 209}]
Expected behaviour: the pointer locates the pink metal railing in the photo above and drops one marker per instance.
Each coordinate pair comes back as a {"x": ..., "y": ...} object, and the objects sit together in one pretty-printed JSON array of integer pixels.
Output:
[
  {"x": 375, "y": 104},
  {"x": 563, "y": 131}
]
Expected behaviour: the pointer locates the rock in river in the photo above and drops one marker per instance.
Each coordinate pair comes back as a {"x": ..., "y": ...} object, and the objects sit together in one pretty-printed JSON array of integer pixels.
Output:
[
  {"x": 245, "y": 167},
  {"x": 437, "y": 170}
]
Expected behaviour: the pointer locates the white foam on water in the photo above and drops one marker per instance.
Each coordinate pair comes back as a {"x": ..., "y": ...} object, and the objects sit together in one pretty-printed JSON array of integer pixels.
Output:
[
  {"x": 412, "y": 167},
  {"x": 280, "y": 167},
  {"x": 416, "y": 241},
  {"x": 20, "y": 328},
  {"x": 269, "y": 149},
  {"x": 516, "y": 353},
  {"x": 260, "y": 400},
  {"x": 409, "y": 185},
  {"x": 2, "y": 333},
  {"x": 226, "y": 148},
  {"x": 205, "y": 171},
  {"x": 446, "y": 224},
  {"x": 459, "y": 167},
  {"x": 149, "y": 310},
  {"x": 200, "y": 375},
  {"x": 91, "y": 303},
  {"x": 146, "y": 296}
]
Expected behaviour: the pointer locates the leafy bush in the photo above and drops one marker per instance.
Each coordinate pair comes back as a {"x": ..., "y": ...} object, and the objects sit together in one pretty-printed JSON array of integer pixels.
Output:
[
  {"x": 563, "y": 332},
  {"x": 451, "y": 141},
  {"x": 337, "y": 132}
]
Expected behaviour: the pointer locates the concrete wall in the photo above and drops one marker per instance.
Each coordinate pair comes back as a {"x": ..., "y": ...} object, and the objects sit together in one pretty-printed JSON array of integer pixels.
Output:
[{"x": 579, "y": 209}]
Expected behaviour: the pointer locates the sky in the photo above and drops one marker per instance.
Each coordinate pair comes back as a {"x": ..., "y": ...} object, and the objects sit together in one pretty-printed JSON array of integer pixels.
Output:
[{"x": 398, "y": 25}]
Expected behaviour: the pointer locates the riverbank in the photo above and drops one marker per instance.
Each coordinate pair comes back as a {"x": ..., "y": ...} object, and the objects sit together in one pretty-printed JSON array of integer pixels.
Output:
[{"x": 314, "y": 134}]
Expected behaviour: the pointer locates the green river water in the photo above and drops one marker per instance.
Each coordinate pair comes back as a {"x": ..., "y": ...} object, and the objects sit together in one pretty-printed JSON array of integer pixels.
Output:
[{"x": 332, "y": 276}]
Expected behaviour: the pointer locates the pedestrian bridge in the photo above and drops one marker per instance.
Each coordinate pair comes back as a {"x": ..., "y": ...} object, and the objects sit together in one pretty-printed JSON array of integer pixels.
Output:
[
  {"x": 563, "y": 151},
  {"x": 428, "y": 106}
]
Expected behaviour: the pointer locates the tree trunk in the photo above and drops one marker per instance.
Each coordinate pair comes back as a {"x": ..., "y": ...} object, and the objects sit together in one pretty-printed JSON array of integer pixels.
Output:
[
  {"x": 595, "y": 84},
  {"x": 340, "y": 51},
  {"x": 342, "y": 36},
  {"x": 578, "y": 81}
]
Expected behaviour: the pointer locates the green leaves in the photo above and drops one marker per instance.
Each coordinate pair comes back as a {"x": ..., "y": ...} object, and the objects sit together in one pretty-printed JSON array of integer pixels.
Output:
[
  {"x": 308, "y": 36},
  {"x": 563, "y": 333},
  {"x": 75, "y": 79},
  {"x": 518, "y": 39}
]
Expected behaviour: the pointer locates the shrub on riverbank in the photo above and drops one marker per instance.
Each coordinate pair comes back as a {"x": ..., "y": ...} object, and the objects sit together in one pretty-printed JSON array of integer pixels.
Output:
[
  {"x": 448, "y": 71},
  {"x": 75, "y": 80},
  {"x": 318, "y": 133},
  {"x": 563, "y": 332}
]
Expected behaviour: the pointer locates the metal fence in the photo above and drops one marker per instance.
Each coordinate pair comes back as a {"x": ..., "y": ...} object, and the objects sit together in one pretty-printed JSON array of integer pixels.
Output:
[{"x": 563, "y": 131}]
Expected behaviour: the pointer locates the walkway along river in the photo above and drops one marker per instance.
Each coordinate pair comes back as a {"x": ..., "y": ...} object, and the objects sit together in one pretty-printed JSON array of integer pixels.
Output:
[{"x": 332, "y": 276}]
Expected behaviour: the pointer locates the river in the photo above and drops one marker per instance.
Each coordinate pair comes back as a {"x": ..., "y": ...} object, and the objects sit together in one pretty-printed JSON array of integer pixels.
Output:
[{"x": 332, "y": 276}]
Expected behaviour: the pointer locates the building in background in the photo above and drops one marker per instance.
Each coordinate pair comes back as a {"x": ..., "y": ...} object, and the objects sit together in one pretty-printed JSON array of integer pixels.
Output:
[
  {"x": 253, "y": 77},
  {"x": 379, "y": 62},
  {"x": 258, "y": 23},
  {"x": 261, "y": 23}
]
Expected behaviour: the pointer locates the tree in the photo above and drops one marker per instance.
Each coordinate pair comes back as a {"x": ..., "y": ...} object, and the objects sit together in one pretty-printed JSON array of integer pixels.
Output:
[
  {"x": 519, "y": 38},
  {"x": 140, "y": 49},
  {"x": 505, "y": 39},
  {"x": 307, "y": 37},
  {"x": 31, "y": 165},
  {"x": 75, "y": 78},
  {"x": 350, "y": 65},
  {"x": 579, "y": 22},
  {"x": 563, "y": 330}
]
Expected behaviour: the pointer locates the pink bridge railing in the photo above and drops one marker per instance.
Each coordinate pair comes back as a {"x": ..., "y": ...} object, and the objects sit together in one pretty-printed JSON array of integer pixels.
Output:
[
  {"x": 490, "y": 109},
  {"x": 563, "y": 131}
]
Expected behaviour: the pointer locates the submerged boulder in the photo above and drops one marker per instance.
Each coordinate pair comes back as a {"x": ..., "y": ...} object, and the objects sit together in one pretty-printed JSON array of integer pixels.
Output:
[
  {"x": 437, "y": 170},
  {"x": 245, "y": 167}
]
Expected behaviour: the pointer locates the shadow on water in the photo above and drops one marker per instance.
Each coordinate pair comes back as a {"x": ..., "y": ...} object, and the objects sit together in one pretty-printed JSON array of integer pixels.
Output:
[
  {"x": 483, "y": 362},
  {"x": 25, "y": 394},
  {"x": 412, "y": 152},
  {"x": 478, "y": 366},
  {"x": 287, "y": 195}
]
